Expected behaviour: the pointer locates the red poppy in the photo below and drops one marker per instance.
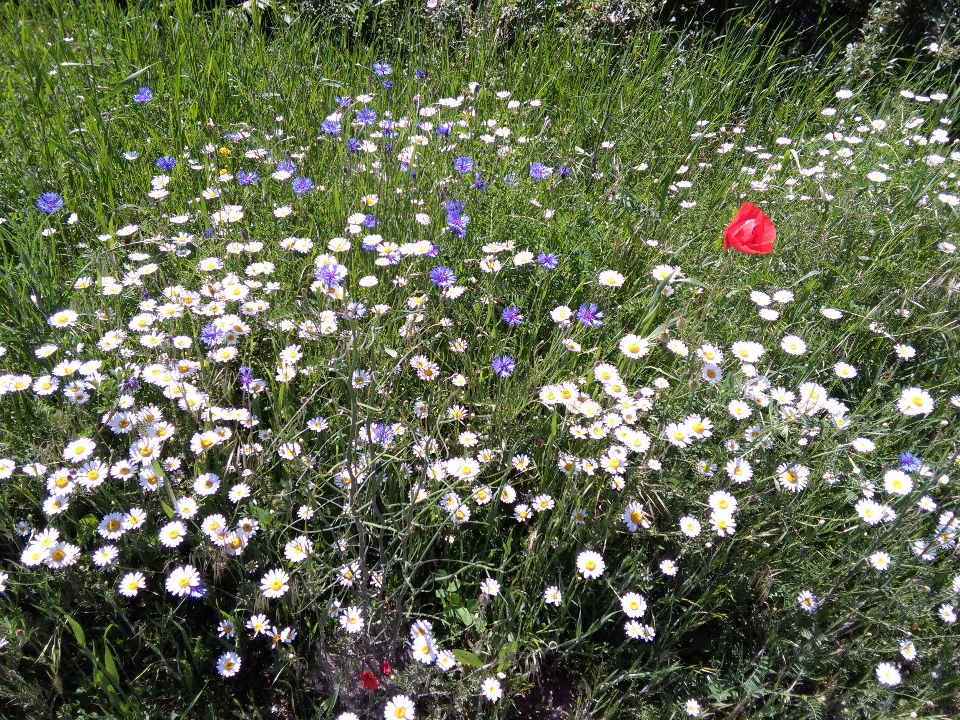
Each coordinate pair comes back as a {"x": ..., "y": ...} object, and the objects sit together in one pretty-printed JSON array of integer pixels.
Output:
[
  {"x": 386, "y": 668},
  {"x": 750, "y": 232},
  {"x": 369, "y": 680}
]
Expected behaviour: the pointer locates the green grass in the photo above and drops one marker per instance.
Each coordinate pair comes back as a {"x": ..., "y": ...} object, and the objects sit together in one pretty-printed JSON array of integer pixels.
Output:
[{"x": 729, "y": 630}]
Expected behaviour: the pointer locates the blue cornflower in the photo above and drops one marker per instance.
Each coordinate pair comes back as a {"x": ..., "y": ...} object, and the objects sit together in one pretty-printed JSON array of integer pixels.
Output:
[
  {"x": 909, "y": 462},
  {"x": 548, "y": 260},
  {"x": 167, "y": 162},
  {"x": 394, "y": 257},
  {"x": 370, "y": 220},
  {"x": 246, "y": 377},
  {"x": 130, "y": 384},
  {"x": 366, "y": 116},
  {"x": 208, "y": 232},
  {"x": 330, "y": 127},
  {"x": 539, "y": 171},
  {"x": 511, "y": 179},
  {"x": 143, "y": 96},
  {"x": 386, "y": 127},
  {"x": 232, "y": 136},
  {"x": 247, "y": 178},
  {"x": 369, "y": 243},
  {"x": 199, "y": 591},
  {"x": 420, "y": 74},
  {"x": 478, "y": 182},
  {"x": 458, "y": 225},
  {"x": 330, "y": 274},
  {"x": 388, "y": 148},
  {"x": 453, "y": 207},
  {"x": 355, "y": 310},
  {"x": 353, "y": 144},
  {"x": 388, "y": 84},
  {"x": 511, "y": 315},
  {"x": 462, "y": 164},
  {"x": 503, "y": 365},
  {"x": 50, "y": 202},
  {"x": 589, "y": 316},
  {"x": 301, "y": 185},
  {"x": 444, "y": 128},
  {"x": 382, "y": 69},
  {"x": 211, "y": 335},
  {"x": 382, "y": 433},
  {"x": 287, "y": 166},
  {"x": 343, "y": 101},
  {"x": 442, "y": 276},
  {"x": 563, "y": 170}
]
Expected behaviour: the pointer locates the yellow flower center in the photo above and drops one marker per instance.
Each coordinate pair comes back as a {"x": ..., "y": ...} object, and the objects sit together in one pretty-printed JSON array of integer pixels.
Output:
[{"x": 113, "y": 525}]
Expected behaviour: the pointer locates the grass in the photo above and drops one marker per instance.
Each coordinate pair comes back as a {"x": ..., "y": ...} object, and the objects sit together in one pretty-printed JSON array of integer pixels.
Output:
[{"x": 660, "y": 141}]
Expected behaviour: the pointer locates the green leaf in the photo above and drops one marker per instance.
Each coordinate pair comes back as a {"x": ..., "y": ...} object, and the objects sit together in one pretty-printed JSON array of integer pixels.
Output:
[
  {"x": 77, "y": 631},
  {"x": 466, "y": 617},
  {"x": 465, "y": 657},
  {"x": 110, "y": 666}
]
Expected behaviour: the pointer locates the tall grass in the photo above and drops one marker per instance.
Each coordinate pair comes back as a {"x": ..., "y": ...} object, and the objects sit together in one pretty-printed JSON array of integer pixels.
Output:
[{"x": 659, "y": 142}]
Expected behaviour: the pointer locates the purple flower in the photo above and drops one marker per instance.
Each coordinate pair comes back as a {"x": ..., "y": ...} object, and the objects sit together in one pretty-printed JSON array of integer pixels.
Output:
[
  {"x": 388, "y": 84},
  {"x": 301, "y": 185},
  {"x": 420, "y": 74},
  {"x": 353, "y": 144},
  {"x": 444, "y": 128},
  {"x": 442, "y": 276},
  {"x": 167, "y": 162},
  {"x": 246, "y": 377},
  {"x": 366, "y": 116},
  {"x": 478, "y": 182},
  {"x": 330, "y": 127},
  {"x": 382, "y": 433},
  {"x": 330, "y": 274},
  {"x": 343, "y": 101},
  {"x": 589, "y": 316},
  {"x": 247, "y": 178},
  {"x": 511, "y": 179},
  {"x": 503, "y": 365},
  {"x": 382, "y": 69},
  {"x": 548, "y": 260},
  {"x": 370, "y": 221},
  {"x": 369, "y": 243},
  {"x": 539, "y": 171},
  {"x": 355, "y": 310},
  {"x": 143, "y": 96},
  {"x": 50, "y": 202},
  {"x": 511, "y": 315},
  {"x": 462, "y": 164},
  {"x": 458, "y": 225},
  {"x": 211, "y": 335},
  {"x": 563, "y": 171},
  {"x": 287, "y": 166},
  {"x": 909, "y": 462}
]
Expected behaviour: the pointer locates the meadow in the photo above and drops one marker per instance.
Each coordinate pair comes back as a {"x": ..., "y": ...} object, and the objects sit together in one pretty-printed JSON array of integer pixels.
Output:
[{"x": 446, "y": 377}]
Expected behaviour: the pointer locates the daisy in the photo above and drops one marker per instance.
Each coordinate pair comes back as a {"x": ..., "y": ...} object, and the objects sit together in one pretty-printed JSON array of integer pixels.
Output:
[
  {"x": 888, "y": 674},
  {"x": 78, "y": 450},
  {"x": 634, "y": 605},
  {"x": 739, "y": 470},
  {"x": 424, "y": 650},
  {"x": 552, "y": 596},
  {"x": 351, "y": 620},
  {"x": 228, "y": 664},
  {"x": 400, "y": 707},
  {"x": 590, "y": 564},
  {"x": 634, "y": 518},
  {"x": 689, "y": 526},
  {"x": 131, "y": 584},
  {"x": 692, "y": 708},
  {"x": 172, "y": 534},
  {"x": 793, "y": 345},
  {"x": 913, "y": 401},
  {"x": 634, "y": 346},
  {"x": 668, "y": 567},
  {"x": 722, "y": 502},
  {"x": 274, "y": 584},
  {"x": 739, "y": 409},
  {"x": 491, "y": 689},
  {"x": 808, "y": 601},
  {"x": 182, "y": 581},
  {"x": 610, "y": 278},
  {"x": 880, "y": 561},
  {"x": 793, "y": 477},
  {"x": 723, "y": 523},
  {"x": 897, "y": 482}
]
